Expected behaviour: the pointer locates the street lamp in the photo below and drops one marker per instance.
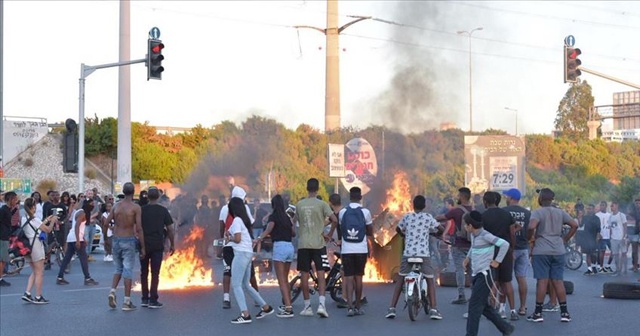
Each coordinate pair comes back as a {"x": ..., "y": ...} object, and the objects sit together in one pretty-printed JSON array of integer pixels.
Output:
[
  {"x": 469, "y": 33},
  {"x": 516, "y": 111}
]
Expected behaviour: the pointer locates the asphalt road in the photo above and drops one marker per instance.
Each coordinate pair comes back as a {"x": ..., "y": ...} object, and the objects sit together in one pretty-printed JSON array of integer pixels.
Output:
[{"x": 79, "y": 310}]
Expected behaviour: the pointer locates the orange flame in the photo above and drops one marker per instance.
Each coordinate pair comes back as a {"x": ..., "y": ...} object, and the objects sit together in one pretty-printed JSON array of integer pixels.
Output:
[
  {"x": 184, "y": 268},
  {"x": 371, "y": 273},
  {"x": 398, "y": 203}
]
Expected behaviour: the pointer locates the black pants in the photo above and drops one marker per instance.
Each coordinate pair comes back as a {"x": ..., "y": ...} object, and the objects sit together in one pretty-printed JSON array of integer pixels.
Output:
[
  {"x": 155, "y": 259},
  {"x": 82, "y": 255},
  {"x": 479, "y": 305}
]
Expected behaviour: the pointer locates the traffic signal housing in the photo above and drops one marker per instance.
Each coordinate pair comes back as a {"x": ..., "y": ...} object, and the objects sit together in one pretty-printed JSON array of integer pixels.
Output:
[
  {"x": 154, "y": 59},
  {"x": 70, "y": 144},
  {"x": 571, "y": 64}
]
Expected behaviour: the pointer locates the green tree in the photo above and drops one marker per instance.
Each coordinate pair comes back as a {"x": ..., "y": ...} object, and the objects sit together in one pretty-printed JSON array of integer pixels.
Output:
[{"x": 573, "y": 111}]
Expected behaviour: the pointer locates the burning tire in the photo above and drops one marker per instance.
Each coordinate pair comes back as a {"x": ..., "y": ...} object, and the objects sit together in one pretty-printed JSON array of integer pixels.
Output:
[
  {"x": 621, "y": 290},
  {"x": 448, "y": 279}
]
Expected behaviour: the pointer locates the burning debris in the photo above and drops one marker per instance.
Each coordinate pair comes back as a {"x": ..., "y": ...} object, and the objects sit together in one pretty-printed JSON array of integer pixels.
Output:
[{"x": 397, "y": 203}]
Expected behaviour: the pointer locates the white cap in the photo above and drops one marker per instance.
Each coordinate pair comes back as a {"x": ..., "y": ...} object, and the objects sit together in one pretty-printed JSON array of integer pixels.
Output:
[{"x": 238, "y": 192}]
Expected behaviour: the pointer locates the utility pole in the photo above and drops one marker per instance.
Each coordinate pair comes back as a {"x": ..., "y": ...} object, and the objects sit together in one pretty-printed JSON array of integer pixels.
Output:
[
  {"x": 332, "y": 74},
  {"x": 124, "y": 96},
  {"x": 469, "y": 33}
]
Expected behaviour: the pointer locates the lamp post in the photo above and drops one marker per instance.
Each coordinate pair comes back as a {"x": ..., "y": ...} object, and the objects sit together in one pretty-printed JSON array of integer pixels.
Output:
[
  {"x": 516, "y": 111},
  {"x": 469, "y": 33}
]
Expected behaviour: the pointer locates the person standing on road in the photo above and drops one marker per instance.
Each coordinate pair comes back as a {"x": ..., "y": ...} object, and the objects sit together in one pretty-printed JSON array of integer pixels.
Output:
[
  {"x": 6, "y": 212},
  {"x": 415, "y": 228},
  {"x": 461, "y": 245},
  {"x": 156, "y": 220},
  {"x": 545, "y": 232},
  {"x": 591, "y": 235},
  {"x": 33, "y": 226},
  {"x": 605, "y": 240},
  {"x": 240, "y": 239},
  {"x": 484, "y": 262},
  {"x": 501, "y": 224},
  {"x": 127, "y": 234},
  {"x": 618, "y": 225},
  {"x": 310, "y": 216},
  {"x": 281, "y": 230},
  {"x": 521, "y": 262},
  {"x": 76, "y": 244}
]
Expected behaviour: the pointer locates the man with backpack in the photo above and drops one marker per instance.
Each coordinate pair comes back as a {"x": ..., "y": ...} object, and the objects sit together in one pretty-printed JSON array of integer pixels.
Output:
[
  {"x": 461, "y": 243},
  {"x": 355, "y": 226}
]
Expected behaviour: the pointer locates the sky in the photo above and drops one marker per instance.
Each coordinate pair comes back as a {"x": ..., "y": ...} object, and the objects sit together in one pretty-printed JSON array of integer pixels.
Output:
[{"x": 231, "y": 60}]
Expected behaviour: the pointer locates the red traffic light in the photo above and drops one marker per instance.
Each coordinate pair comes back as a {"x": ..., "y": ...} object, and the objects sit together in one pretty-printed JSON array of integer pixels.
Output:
[
  {"x": 573, "y": 53},
  {"x": 157, "y": 48}
]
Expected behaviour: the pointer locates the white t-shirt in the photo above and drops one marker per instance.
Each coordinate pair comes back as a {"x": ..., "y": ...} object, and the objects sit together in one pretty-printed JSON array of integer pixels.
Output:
[
  {"x": 604, "y": 224},
  {"x": 224, "y": 212},
  {"x": 37, "y": 249},
  {"x": 361, "y": 247},
  {"x": 616, "y": 223},
  {"x": 245, "y": 244},
  {"x": 38, "y": 210},
  {"x": 71, "y": 237},
  {"x": 109, "y": 231},
  {"x": 416, "y": 227}
]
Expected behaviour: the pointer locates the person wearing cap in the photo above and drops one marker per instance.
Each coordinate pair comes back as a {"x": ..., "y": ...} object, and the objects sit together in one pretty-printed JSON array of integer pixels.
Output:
[
  {"x": 226, "y": 219},
  {"x": 521, "y": 249},
  {"x": 545, "y": 232}
]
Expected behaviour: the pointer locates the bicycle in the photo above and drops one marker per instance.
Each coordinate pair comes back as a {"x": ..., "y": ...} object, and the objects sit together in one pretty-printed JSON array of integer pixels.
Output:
[
  {"x": 333, "y": 282},
  {"x": 15, "y": 265},
  {"x": 415, "y": 289},
  {"x": 573, "y": 257},
  {"x": 56, "y": 249}
]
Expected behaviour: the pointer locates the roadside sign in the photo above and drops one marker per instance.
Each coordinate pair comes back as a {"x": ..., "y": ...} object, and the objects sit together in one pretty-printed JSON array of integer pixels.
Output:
[
  {"x": 569, "y": 41},
  {"x": 154, "y": 33},
  {"x": 19, "y": 186},
  {"x": 336, "y": 160}
]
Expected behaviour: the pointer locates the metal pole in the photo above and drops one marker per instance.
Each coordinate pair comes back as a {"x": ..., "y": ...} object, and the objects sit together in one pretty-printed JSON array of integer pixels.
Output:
[
  {"x": 81, "y": 130},
  {"x": 617, "y": 80},
  {"x": 332, "y": 82},
  {"x": 1, "y": 88},
  {"x": 470, "y": 89},
  {"x": 124, "y": 96}
]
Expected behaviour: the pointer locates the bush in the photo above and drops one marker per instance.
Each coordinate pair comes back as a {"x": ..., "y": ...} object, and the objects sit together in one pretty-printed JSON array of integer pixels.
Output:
[
  {"x": 46, "y": 185},
  {"x": 28, "y": 162},
  {"x": 90, "y": 173}
]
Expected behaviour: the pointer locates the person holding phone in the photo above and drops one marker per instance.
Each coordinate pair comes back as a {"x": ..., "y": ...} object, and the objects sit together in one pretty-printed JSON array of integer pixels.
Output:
[{"x": 33, "y": 226}]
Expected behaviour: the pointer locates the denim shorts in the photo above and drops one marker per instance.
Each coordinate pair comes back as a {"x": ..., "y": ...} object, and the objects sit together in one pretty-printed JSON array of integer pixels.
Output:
[
  {"x": 548, "y": 266},
  {"x": 124, "y": 255},
  {"x": 521, "y": 262},
  {"x": 604, "y": 243},
  {"x": 283, "y": 251}
]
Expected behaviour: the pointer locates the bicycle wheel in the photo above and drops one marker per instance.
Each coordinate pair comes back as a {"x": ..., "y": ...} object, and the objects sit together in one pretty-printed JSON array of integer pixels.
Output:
[
  {"x": 414, "y": 303},
  {"x": 573, "y": 259},
  {"x": 296, "y": 288},
  {"x": 336, "y": 288},
  {"x": 425, "y": 302},
  {"x": 15, "y": 265},
  {"x": 59, "y": 255}
]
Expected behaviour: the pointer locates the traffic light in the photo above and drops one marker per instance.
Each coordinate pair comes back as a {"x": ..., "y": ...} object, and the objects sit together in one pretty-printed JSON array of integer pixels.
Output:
[
  {"x": 571, "y": 64},
  {"x": 70, "y": 157},
  {"x": 154, "y": 59}
]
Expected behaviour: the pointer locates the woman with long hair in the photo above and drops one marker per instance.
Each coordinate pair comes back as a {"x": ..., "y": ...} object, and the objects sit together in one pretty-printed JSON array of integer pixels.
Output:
[
  {"x": 33, "y": 226},
  {"x": 37, "y": 199},
  {"x": 281, "y": 229},
  {"x": 107, "y": 229},
  {"x": 241, "y": 237},
  {"x": 65, "y": 198},
  {"x": 77, "y": 244}
]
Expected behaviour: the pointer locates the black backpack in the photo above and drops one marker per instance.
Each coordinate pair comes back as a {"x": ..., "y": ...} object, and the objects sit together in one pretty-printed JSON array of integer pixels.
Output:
[
  {"x": 19, "y": 244},
  {"x": 353, "y": 226}
]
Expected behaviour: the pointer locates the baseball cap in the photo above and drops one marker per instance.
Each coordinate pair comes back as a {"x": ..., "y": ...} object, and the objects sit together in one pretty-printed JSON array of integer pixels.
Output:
[{"x": 513, "y": 193}]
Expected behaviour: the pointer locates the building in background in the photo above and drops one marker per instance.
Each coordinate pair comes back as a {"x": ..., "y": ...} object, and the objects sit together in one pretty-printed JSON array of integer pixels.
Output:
[{"x": 624, "y": 117}]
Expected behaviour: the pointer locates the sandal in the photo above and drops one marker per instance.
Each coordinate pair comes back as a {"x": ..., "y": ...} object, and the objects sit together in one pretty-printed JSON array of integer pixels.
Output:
[{"x": 522, "y": 312}]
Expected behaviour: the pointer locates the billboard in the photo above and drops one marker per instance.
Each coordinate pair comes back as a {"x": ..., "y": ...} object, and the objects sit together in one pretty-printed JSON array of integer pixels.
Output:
[
  {"x": 361, "y": 166},
  {"x": 494, "y": 162},
  {"x": 20, "y": 133},
  {"x": 336, "y": 160}
]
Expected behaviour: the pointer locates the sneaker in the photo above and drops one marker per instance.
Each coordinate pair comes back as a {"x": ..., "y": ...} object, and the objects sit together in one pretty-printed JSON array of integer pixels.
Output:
[
  {"x": 548, "y": 307},
  {"x": 465, "y": 315},
  {"x": 226, "y": 304},
  {"x": 460, "y": 300},
  {"x": 112, "y": 300},
  {"x": 128, "y": 306},
  {"x": 42, "y": 300},
  {"x": 391, "y": 313},
  {"x": 535, "y": 317},
  {"x": 342, "y": 303},
  {"x": 434, "y": 314},
  {"x": 241, "y": 319},
  {"x": 364, "y": 301},
  {"x": 509, "y": 330},
  {"x": 609, "y": 269},
  {"x": 106, "y": 258},
  {"x": 27, "y": 297},
  {"x": 47, "y": 266},
  {"x": 603, "y": 270},
  {"x": 61, "y": 281},
  {"x": 4, "y": 283},
  {"x": 264, "y": 313},
  {"x": 358, "y": 311},
  {"x": 90, "y": 282},
  {"x": 307, "y": 311},
  {"x": 565, "y": 317},
  {"x": 514, "y": 316},
  {"x": 322, "y": 312},
  {"x": 155, "y": 305},
  {"x": 285, "y": 314},
  {"x": 594, "y": 270},
  {"x": 588, "y": 272},
  {"x": 351, "y": 312},
  {"x": 144, "y": 303}
]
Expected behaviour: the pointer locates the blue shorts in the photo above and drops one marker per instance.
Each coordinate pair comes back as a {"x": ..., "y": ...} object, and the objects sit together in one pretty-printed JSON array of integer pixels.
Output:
[
  {"x": 124, "y": 255},
  {"x": 521, "y": 262},
  {"x": 604, "y": 243},
  {"x": 548, "y": 266},
  {"x": 283, "y": 251}
]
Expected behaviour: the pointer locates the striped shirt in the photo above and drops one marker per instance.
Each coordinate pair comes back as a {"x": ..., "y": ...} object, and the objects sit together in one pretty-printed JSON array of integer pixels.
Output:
[{"x": 482, "y": 250}]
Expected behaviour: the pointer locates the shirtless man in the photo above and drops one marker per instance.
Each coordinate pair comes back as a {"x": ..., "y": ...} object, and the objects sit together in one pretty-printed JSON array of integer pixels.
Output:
[{"x": 126, "y": 234}]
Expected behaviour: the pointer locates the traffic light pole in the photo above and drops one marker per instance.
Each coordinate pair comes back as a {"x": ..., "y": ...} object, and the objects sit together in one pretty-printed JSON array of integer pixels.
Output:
[
  {"x": 85, "y": 71},
  {"x": 599, "y": 74}
]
